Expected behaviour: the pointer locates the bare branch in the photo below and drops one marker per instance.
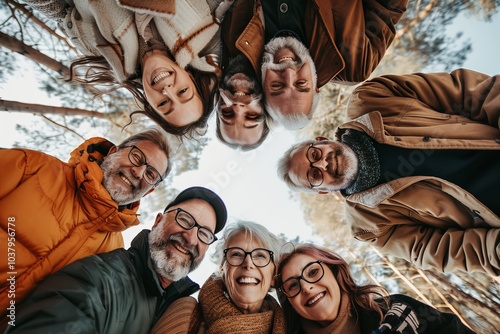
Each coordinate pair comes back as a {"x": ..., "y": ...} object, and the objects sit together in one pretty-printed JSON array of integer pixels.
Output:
[
  {"x": 17, "y": 46},
  {"x": 40, "y": 109}
]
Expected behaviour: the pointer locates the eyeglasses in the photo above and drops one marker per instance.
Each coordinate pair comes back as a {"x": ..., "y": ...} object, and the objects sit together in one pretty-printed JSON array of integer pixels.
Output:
[
  {"x": 138, "y": 159},
  {"x": 187, "y": 222},
  {"x": 311, "y": 273},
  {"x": 235, "y": 256},
  {"x": 314, "y": 174}
]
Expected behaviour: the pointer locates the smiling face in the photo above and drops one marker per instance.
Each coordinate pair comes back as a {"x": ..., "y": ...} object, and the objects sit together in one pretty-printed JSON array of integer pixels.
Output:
[
  {"x": 318, "y": 301},
  {"x": 175, "y": 251},
  {"x": 247, "y": 284},
  {"x": 170, "y": 89},
  {"x": 240, "y": 114},
  {"x": 288, "y": 79},
  {"x": 338, "y": 165},
  {"x": 124, "y": 181},
  {"x": 241, "y": 119}
]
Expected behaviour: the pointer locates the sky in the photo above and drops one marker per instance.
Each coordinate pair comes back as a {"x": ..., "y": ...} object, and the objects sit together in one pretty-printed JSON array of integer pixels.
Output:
[{"x": 247, "y": 181}]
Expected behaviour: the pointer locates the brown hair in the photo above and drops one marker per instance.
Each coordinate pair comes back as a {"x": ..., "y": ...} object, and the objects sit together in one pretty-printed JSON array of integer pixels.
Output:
[
  {"x": 97, "y": 71},
  {"x": 360, "y": 296}
]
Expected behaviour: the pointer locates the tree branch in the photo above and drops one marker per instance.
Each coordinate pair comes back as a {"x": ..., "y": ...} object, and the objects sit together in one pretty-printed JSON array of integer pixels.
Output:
[
  {"x": 40, "y": 109},
  {"x": 17, "y": 46}
]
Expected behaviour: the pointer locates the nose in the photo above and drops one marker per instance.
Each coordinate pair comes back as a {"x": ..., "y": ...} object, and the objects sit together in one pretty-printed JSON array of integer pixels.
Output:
[
  {"x": 321, "y": 163},
  {"x": 139, "y": 171},
  {"x": 288, "y": 75},
  {"x": 238, "y": 106},
  {"x": 191, "y": 236},
  {"x": 305, "y": 286},
  {"x": 247, "y": 261},
  {"x": 166, "y": 88}
]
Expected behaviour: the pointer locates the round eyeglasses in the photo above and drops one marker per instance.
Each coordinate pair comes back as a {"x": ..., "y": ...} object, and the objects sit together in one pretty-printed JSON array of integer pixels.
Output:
[
  {"x": 187, "y": 222},
  {"x": 314, "y": 174},
  {"x": 138, "y": 159},
  {"x": 311, "y": 273},
  {"x": 235, "y": 256}
]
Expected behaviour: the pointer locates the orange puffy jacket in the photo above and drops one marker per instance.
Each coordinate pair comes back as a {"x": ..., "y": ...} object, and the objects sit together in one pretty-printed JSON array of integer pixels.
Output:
[{"x": 53, "y": 213}]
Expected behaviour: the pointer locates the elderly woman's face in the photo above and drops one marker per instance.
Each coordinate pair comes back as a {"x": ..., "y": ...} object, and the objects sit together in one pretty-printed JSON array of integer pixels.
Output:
[{"x": 247, "y": 284}]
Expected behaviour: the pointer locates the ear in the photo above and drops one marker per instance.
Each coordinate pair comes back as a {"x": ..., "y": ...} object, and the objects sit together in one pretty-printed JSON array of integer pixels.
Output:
[
  {"x": 319, "y": 138},
  {"x": 149, "y": 191},
  {"x": 158, "y": 218},
  {"x": 112, "y": 150}
]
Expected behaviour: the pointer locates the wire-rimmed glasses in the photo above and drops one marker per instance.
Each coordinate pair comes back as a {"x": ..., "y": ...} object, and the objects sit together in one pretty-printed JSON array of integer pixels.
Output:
[{"x": 314, "y": 174}]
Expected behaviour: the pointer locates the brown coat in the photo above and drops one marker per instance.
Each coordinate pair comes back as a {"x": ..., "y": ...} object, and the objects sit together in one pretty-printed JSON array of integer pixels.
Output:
[
  {"x": 346, "y": 39},
  {"x": 427, "y": 220}
]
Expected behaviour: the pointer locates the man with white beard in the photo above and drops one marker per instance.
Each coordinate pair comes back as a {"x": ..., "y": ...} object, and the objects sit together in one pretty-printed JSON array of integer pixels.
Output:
[
  {"x": 344, "y": 42},
  {"x": 127, "y": 291}
]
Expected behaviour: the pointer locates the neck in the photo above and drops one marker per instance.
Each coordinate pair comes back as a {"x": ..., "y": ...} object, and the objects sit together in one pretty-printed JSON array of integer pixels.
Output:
[{"x": 165, "y": 282}]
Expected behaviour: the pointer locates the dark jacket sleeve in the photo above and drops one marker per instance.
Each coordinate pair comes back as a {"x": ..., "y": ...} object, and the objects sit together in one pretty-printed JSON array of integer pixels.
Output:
[
  {"x": 412, "y": 316},
  {"x": 67, "y": 301}
]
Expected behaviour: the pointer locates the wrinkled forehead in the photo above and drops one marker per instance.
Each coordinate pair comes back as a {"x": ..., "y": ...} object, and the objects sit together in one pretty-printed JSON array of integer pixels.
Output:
[{"x": 299, "y": 165}]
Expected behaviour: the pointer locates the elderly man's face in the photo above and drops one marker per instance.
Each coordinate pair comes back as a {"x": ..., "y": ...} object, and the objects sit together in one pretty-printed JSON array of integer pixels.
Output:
[
  {"x": 288, "y": 76},
  {"x": 240, "y": 113},
  {"x": 126, "y": 182},
  {"x": 175, "y": 251},
  {"x": 325, "y": 166}
]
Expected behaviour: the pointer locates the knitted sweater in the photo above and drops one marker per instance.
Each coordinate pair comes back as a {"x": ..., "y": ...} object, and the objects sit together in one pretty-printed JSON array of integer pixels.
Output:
[
  {"x": 108, "y": 28},
  {"x": 222, "y": 317}
]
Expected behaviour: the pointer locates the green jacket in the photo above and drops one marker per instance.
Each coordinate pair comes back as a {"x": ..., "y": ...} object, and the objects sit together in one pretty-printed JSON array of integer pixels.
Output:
[{"x": 116, "y": 292}]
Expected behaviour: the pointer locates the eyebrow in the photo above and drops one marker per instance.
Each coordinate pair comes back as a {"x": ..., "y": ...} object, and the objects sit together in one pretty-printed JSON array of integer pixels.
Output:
[
  {"x": 251, "y": 126},
  {"x": 300, "y": 90},
  {"x": 225, "y": 122}
]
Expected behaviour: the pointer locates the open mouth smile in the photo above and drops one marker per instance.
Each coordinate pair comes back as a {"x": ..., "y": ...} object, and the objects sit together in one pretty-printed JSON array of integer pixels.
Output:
[
  {"x": 163, "y": 74},
  {"x": 315, "y": 299}
]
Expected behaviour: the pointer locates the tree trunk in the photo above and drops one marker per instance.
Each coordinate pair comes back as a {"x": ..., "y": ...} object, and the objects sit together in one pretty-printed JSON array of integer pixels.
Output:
[{"x": 14, "y": 106}]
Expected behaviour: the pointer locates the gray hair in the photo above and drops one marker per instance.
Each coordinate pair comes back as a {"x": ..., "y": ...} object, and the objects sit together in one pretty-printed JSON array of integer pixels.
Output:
[
  {"x": 295, "y": 120},
  {"x": 284, "y": 164},
  {"x": 154, "y": 136},
  {"x": 252, "y": 231}
]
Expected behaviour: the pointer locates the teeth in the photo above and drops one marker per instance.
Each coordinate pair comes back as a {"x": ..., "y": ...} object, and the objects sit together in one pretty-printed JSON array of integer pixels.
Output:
[
  {"x": 315, "y": 299},
  {"x": 127, "y": 181},
  {"x": 248, "y": 280},
  {"x": 239, "y": 93},
  {"x": 161, "y": 76},
  {"x": 181, "y": 249},
  {"x": 284, "y": 59}
]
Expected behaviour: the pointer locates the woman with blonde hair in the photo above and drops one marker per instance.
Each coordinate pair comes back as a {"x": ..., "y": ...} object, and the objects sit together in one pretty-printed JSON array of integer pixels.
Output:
[{"x": 319, "y": 295}]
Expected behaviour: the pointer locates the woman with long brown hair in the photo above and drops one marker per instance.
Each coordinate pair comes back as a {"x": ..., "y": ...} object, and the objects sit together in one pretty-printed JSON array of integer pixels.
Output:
[
  {"x": 319, "y": 295},
  {"x": 165, "y": 53}
]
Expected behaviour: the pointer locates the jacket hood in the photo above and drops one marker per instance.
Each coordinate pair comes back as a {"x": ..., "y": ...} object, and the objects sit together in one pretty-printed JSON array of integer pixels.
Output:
[{"x": 95, "y": 199}]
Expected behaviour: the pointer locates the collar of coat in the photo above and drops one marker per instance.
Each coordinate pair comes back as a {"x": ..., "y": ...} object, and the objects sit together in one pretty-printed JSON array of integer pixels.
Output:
[
  {"x": 139, "y": 247},
  {"x": 94, "y": 198}
]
